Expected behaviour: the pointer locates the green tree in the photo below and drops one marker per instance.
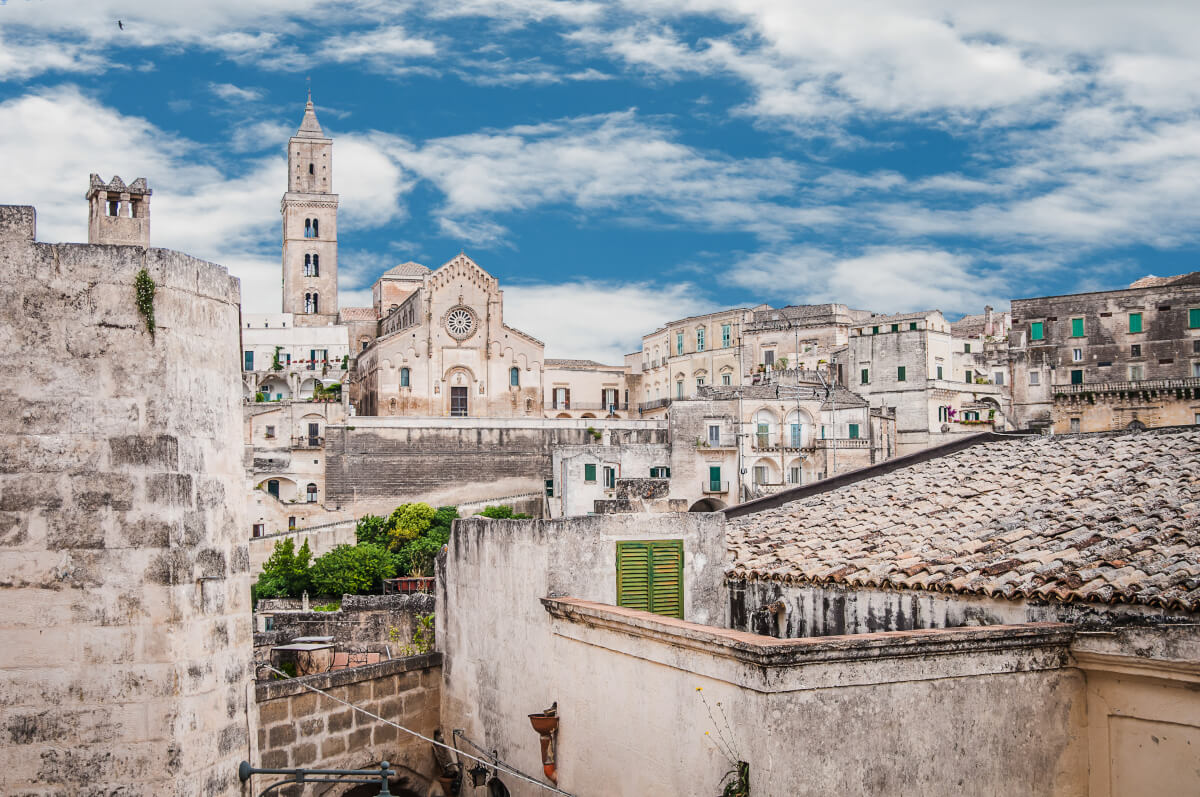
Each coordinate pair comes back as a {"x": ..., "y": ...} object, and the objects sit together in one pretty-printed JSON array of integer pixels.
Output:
[
  {"x": 502, "y": 512},
  {"x": 372, "y": 529},
  {"x": 408, "y": 522},
  {"x": 286, "y": 573},
  {"x": 352, "y": 570},
  {"x": 444, "y": 516}
]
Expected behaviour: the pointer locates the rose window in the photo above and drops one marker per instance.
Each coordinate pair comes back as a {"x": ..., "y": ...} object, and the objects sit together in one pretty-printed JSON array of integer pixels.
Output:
[{"x": 460, "y": 322}]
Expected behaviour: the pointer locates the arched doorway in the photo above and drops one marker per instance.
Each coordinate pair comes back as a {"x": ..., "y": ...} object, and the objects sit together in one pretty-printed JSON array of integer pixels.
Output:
[
  {"x": 273, "y": 487},
  {"x": 707, "y": 505}
]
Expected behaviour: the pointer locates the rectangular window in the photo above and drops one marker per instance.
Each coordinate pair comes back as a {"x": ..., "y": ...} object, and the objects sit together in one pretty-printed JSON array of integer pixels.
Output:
[
  {"x": 1035, "y": 378},
  {"x": 939, "y": 372},
  {"x": 998, "y": 378},
  {"x": 549, "y": 488},
  {"x": 1194, "y": 318},
  {"x": 679, "y": 390},
  {"x": 725, "y": 335},
  {"x": 270, "y": 432},
  {"x": 895, "y": 327},
  {"x": 700, "y": 339},
  {"x": 760, "y": 474},
  {"x": 1137, "y": 373},
  {"x": 912, "y": 325},
  {"x": 1074, "y": 426},
  {"x": 854, "y": 431},
  {"x": 726, "y": 379},
  {"x": 699, "y": 381},
  {"x": 660, "y": 472},
  {"x": 1135, "y": 322},
  {"x": 249, "y": 360},
  {"x": 1077, "y": 355},
  {"x": 714, "y": 479},
  {"x": 1077, "y": 327},
  {"x": 795, "y": 434},
  {"x": 404, "y": 377},
  {"x": 1077, "y": 377},
  {"x": 900, "y": 374},
  {"x": 969, "y": 377},
  {"x": 610, "y": 477},
  {"x": 865, "y": 376},
  {"x": 589, "y": 473},
  {"x": 679, "y": 343},
  {"x": 769, "y": 358},
  {"x": 794, "y": 475},
  {"x": 1196, "y": 418},
  {"x": 1037, "y": 331},
  {"x": 650, "y": 576},
  {"x": 1135, "y": 350},
  {"x": 763, "y": 436},
  {"x": 1196, "y": 369},
  {"x": 874, "y": 330},
  {"x": 966, "y": 348},
  {"x": 714, "y": 434}
]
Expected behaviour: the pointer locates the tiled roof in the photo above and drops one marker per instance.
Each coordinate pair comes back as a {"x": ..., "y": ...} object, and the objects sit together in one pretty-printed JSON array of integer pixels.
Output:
[
  {"x": 1100, "y": 518},
  {"x": 551, "y": 362},
  {"x": 358, "y": 314},
  {"x": 409, "y": 269},
  {"x": 887, "y": 319},
  {"x": 1152, "y": 281}
]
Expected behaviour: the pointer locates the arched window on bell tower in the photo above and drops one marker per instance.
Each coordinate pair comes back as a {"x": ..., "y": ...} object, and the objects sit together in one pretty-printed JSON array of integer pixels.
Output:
[
  {"x": 316, "y": 233},
  {"x": 308, "y": 228},
  {"x": 316, "y": 266},
  {"x": 308, "y": 265}
]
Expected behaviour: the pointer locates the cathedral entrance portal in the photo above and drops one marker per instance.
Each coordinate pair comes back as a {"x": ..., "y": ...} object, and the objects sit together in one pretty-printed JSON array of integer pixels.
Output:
[{"x": 458, "y": 402}]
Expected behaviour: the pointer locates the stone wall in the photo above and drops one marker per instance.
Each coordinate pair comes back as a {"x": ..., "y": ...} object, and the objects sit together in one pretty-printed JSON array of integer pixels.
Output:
[
  {"x": 299, "y": 728},
  {"x": 321, "y": 539},
  {"x": 375, "y": 464},
  {"x": 123, "y": 551},
  {"x": 364, "y": 622}
]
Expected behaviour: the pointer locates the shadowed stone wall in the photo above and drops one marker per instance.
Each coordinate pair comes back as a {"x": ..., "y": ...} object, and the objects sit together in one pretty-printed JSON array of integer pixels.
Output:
[{"x": 123, "y": 559}]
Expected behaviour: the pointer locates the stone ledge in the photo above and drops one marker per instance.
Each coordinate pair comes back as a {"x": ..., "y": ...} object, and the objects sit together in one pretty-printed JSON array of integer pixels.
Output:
[{"x": 273, "y": 690}]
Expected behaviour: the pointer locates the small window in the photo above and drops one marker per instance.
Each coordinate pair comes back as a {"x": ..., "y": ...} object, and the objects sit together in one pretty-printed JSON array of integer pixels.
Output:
[
  {"x": 660, "y": 472},
  {"x": 1077, "y": 327},
  {"x": 1196, "y": 347},
  {"x": 900, "y": 374},
  {"x": 939, "y": 372},
  {"x": 794, "y": 474},
  {"x": 1196, "y": 369},
  {"x": 1037, "y": 331},
  {"x": 1074, "y": 426},
  {"x": 311, "y": 493},
  {"x": 1077, "y": 355},
  {"x": 269, "y": 433},
  {"x": 874, "y": 330},
  {"x": 700, "y": 339},
  {"x": 1137, "y": 373},
  {"x": 726, "y": 379},
  {"x": 679, "y": 343},
  {"x": 895, "y": 327},
  {"x": 291, "y": 523},
  {"x": 249, "y": 360},
  {"x": 311, "y": 170},
  {"x": 998, "y": 378},
  {"x": 854, "y": 431},
  {"x": 1196, "y": 418},
  {"x": 589, "y": 473},
  {"x": 514, "y": 377},
  {"x": 699, "y": 381},
  {"x": 1135, "y": 322},
  {"x": 404, "y": 377},
  {"x": 258, "y": 529},
  {"x": 769, "y": 358},
  {"x": 1194, "y": 318},
  {"x": 549, "y": 488},
  {"x": 1077, "y": 377},
  {"x": 610, "y": 477},
  {"x": 912, "y": 325},
  {"x": 760, "y": 474},
  {"x": 725, "y": 336},
  {"x": 1135, "y": 350},
  {"x": 969, "y": 377},
  {"x": 865, "y": 376},
  {"x": 714, "y": 434},
  {"x": 679, "y": 390},
  {"x": 1035, "y": 378},
  {"x": 650, "y": 576}
]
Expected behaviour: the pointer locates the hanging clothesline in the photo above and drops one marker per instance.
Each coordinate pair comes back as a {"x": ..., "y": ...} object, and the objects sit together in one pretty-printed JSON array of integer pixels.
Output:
[{"x": 497, "y": 764}]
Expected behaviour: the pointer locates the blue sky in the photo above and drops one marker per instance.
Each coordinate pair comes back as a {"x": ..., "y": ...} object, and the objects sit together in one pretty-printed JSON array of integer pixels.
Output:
[{"x": 617, "y": 165}]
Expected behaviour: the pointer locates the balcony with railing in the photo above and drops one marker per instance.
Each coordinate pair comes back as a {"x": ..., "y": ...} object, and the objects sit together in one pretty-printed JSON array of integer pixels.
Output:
[
  {"x": 1136, "y": 386},
  {"x": 724, "y": 441},
  {"x": 647, "y": 406},
  {"x": 584, "y": 406},
  {"x": 844, "y": 442},
  {"x": 714, "y": 487},
  {"x": 308, "y": 442}
]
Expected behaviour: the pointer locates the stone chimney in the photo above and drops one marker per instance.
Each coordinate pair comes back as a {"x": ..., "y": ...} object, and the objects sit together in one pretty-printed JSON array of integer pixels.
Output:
[{"x": 118, "y": 213}]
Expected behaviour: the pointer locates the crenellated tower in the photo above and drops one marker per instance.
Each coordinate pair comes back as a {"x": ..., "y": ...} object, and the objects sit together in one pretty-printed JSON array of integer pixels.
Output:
[{"x": 309, "y": 211}]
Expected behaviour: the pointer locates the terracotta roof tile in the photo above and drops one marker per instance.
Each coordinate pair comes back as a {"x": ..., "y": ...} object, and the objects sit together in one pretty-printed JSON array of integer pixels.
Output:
[{"x": 1060, "y": 518}]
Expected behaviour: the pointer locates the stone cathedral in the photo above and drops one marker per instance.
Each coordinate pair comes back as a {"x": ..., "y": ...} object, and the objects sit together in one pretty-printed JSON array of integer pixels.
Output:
[{"x": 434, "y": 341}]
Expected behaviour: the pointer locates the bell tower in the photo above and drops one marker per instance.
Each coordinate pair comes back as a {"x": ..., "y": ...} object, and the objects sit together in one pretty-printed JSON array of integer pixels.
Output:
[{"x": 309, "y": 211}]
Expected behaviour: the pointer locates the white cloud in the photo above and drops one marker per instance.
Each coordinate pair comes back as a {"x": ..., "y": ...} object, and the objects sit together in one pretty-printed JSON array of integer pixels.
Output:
[
  {"x": 236, "y": 94},
  {"x": 883, "y": 279},
  {"x": 597, "y": 320}
]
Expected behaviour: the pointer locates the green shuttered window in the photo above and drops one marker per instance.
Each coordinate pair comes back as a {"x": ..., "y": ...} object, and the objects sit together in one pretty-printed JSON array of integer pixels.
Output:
[
  {"x": 1037, "y": 331},
  {"x": 1135, "y": 322},
  {"x": 589, "y": 473},
  {"x": 1194, "y": 318},
  {"x": 650, "y": 576},
  {"x": 1077, "y": 327}
]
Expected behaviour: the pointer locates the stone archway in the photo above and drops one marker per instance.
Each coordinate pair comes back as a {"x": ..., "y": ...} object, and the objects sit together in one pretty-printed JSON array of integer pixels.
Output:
[{"x": 707, "y": 505}]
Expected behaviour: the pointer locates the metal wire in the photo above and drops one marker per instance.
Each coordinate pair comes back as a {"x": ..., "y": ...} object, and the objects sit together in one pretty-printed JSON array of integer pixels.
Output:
[{"x": 497, "y": 764}]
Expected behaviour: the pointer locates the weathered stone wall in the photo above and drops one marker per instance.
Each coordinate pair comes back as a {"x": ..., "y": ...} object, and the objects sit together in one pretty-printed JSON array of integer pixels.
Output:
[
  {"x": 365, "y": 622},
  {"x": 375, "y": 464},
  {"x": 320, "y": 539},
  {"x": 299, "y": 728},
  {"x": 789, "y": 611},
  {"x": 123, "y": 551}
]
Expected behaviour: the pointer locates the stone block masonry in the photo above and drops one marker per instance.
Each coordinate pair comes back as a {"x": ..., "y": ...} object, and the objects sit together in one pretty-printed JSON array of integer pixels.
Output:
[
  {"x": 300, "y": 728},
  {"x": 123, "y": 561}
]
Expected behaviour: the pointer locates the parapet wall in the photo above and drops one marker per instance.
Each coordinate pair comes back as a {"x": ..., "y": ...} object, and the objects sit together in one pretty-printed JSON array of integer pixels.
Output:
[{"x": 123, "y": 556}]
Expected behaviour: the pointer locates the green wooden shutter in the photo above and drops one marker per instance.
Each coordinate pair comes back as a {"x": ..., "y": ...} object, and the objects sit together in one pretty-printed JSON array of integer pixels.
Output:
[
  {"x": 650, "y": 576},
  {"x": 633, "y": 575},
  {"x": 1194, "y": 318},
  {"x": 589, "y": 473},
  {"x": 900, "y": 374},
  {"x": 1077, "y": 327},
  {"x": 666, "y": 578},
  {"x": 1135, "y": 322},
  {"x": 1037, "y": 331}
]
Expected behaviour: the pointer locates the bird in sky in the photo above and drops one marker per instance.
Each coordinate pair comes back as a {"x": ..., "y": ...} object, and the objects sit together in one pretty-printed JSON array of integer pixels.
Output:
[{"x": 120, "y": 24}]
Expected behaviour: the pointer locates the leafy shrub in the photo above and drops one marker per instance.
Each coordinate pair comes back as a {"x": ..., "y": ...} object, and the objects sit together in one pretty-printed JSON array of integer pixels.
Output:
[
  {"x": 334, "y": 606},
  {"x": 423, "y": 638},
  {"x": 286, "y": 573},
  {"x": 408, "y": 522},
  {"x": 372, "y": 529},
  {"x": 351, "y": 570},
  {"x": 502, "y": 512}
]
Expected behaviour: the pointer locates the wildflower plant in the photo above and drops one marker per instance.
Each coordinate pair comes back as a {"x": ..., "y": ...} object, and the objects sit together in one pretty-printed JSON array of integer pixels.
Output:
[{"x": 735, "y": 782}]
